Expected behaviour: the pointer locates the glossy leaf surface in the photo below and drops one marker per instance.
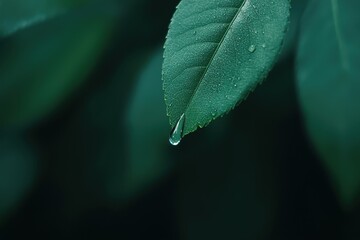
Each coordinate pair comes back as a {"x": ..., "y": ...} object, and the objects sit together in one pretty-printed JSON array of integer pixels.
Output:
[{"x": 216, "y": 53}]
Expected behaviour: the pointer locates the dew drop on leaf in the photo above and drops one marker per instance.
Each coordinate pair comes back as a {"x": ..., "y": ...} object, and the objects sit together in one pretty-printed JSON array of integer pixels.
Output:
[
  {"x": 177, "y": 132},
  {"x": 252, "y": 48}
]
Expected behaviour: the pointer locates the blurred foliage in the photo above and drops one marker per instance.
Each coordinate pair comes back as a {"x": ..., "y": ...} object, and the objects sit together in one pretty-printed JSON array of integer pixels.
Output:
[
  {"x": 43, "y": 64},
  {"x": 15, "y": 16},
  {"x": 146, "y": 127},
  {"x": 84, "y": 150},
  {"x": 328, "y": 88}
]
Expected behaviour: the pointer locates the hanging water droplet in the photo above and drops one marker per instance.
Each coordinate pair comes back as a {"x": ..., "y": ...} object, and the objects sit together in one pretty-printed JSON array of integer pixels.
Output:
[
  {"x": 263, "y": 45},
  {"x": 194, "y": 32},
  {"x": 177, "y": 133},
  {"x": 252, "y": 48},
  {"x": 235, "y": 85}
]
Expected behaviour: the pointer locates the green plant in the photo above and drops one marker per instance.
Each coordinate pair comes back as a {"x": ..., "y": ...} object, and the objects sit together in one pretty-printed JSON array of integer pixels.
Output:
[
  {"x": 84, "y": 151},
  {"x": 215, "y": 54},
  {"x": 218, "y": 51}
]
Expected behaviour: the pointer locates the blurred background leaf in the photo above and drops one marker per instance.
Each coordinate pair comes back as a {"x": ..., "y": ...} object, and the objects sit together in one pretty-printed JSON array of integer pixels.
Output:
[
  {"x": 146, "y": 130},
  {"x": 95, "y": 145},
  {"x": 44, "y": 64},
  {"x": 328, "y": 56},
  {"x": 93, "y": 148},
  {"x": 16, "y": 15}
]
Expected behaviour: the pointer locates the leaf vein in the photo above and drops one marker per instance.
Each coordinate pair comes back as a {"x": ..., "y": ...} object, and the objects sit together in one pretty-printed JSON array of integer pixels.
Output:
[
  {"x": 209, "y": 10},
  {"x": 186, "y": 69},
  {"x": 200, "y": 27},
  {"x": 215, "y": 53},
  {"x": 191, "y": 45}
]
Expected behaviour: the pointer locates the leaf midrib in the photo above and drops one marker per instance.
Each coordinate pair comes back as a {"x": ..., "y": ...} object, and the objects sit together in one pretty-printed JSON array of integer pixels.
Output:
[{"x": 214, "y": 54}]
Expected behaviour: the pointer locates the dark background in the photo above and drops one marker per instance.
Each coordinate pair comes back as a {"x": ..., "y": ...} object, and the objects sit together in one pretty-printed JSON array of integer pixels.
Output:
[{"x": 84, "y": 152}]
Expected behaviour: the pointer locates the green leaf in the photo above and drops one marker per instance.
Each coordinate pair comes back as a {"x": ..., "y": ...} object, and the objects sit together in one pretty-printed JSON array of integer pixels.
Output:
[
  {"x": 216, "y": 53},
  {"x": 16, "y": 15},
  {"x": 42, "y": 65},
  {"x": 328, "y": 84},
  {"x": 145, "y": 124}
]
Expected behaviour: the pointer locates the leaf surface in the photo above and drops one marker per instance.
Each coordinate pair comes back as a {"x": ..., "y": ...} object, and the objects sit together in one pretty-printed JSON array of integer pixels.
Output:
[
  {"x": 328, "y": 84},
  {"x": 216, "y": 53}
]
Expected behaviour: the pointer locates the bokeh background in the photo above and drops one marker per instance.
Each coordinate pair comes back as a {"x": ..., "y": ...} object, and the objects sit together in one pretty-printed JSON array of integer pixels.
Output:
[{"x": 84, "y": 150}]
